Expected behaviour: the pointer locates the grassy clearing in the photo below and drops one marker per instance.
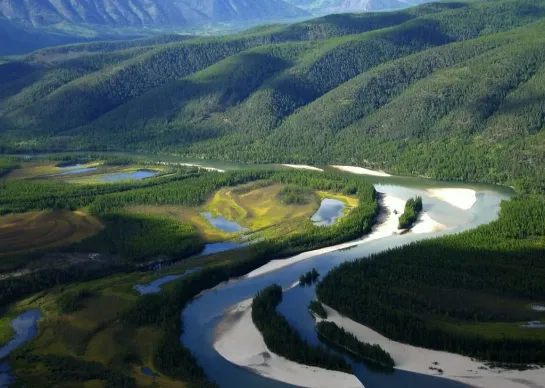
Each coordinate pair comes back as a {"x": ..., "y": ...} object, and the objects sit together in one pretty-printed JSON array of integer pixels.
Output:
[
  {"x": 259, "y": 208},
  {"x": 187, "y": 215},
  {"x": 255, "y": 205},
  {"x": 33, "y": 231}
]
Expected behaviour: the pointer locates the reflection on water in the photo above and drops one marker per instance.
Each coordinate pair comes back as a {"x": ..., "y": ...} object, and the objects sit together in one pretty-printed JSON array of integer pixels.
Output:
[
  {"x": 330, "y": 209},
  {"x": 121, "y": 176},
  {"x": 25, "y": 329},
  {"x": 73, "y": 171},
  {"x": 148, "y": 372},
  {"x": 155, "y": 286},
  {"x": 223, "y": 224}
]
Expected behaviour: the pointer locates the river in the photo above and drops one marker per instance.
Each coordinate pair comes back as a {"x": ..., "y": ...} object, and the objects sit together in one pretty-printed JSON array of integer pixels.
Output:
[{"x": 203, "y": 315}]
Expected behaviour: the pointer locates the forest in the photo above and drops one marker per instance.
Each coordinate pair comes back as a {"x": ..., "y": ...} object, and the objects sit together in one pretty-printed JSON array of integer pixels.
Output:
[
  {"x": 283, "y": 340},
  {"x": 413, "y": 207},
  {"x": 435, "y": 293},
  {"x": 332, "y": 333},
  {"x": 305, "y": 93}
]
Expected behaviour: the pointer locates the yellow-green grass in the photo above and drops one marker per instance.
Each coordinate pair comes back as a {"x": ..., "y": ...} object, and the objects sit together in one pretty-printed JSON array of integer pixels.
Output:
[
  {"x": 38, "y": 169},
  {"x": 35, "y": 231},
  {"x": 259, "y": 208},
  {"x": 191, "y": 216},
  {"x": 348, "y": 200}
]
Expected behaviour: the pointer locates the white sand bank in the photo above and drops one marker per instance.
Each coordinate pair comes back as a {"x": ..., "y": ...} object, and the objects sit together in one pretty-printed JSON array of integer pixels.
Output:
[
  {"x": 537, "y": 307},
  {"x": 461, "y": 198},
  {"x": 302, "y": 167},
  {"x": 454, "y": 366},
  {"x": 361, "y": 170},
  {"x": 239, "y": 341},
  {"x": 426, "y": 224},
  {"x": 386, "y": 226}
]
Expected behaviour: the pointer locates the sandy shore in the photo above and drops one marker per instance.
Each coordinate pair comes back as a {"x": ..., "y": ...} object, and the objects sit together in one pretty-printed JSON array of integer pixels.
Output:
[
  {"x": 454, "y": 366},
  {"x": 303, "y": 167},
  {"x": 461, "y": 198},
  {"x": 238, "y": 341},
  {"x": 361, "y": 170},
  {"x": 386, "y": 225}
]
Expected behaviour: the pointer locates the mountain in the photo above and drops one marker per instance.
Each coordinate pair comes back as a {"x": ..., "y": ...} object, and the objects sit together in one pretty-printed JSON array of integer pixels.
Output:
[
  {"x": 445, "y": 90},
  {"x": 323, "y": 7},
  {"x": 144, "y": 13}
]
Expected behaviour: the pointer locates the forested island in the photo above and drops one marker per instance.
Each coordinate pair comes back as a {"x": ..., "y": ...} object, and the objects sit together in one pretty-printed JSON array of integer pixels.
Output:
[
  {"x": 284, "y": 340},
  {"x": 413, "y": 207},
  {"x": 331, "y": 333}
]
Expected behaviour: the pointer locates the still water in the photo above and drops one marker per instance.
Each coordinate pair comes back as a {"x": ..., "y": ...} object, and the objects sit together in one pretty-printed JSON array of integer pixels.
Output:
[{"x": 330, "y": 209}]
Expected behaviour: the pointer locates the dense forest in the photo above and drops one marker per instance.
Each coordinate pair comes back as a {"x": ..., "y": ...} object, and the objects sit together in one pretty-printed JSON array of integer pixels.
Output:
[
  {"x": 467, "y": 293},
  {"x": 413, "y": 207},
  {"x": 462, "y": 80},
  {"x": 332, "y": 333},
  {"x": 283, "y": 340}
]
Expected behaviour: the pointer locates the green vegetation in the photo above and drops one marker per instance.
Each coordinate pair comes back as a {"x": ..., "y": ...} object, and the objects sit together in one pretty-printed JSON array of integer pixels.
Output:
[
  {"x": 309, "y": 278},
  {"x": 433, "y": 293},
  {"x": 94, "y": 323},
  {"x": 72, "y": 302},
  {"x": 338, "y": 336},
  {"x": 316, "y": 307},
  {"x": 285, "y": 341},
  {"x": 7, "y": 164},
  {"x": 465, "y": 80},
  {"x": 295, "y": 195},
  {"x": 413, "y": 207}
]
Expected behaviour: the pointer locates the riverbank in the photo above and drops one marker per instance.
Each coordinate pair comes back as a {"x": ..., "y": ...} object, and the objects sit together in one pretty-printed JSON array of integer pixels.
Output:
[
  {"x": 386, "y": 225},
  {"x": 238, "y": 341},
  {"x": 361, "y": 170},
  {"x": 453, "y": 366},
  {"x": 302, "y": 167}
]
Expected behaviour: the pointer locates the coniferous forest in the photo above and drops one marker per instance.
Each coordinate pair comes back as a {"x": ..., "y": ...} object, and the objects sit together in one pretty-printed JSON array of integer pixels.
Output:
[{"x": 450, "y": 90}]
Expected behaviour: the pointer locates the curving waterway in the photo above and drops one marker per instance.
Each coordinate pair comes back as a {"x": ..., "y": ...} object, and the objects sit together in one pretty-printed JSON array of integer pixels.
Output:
[{"x": 202, "y": 316}]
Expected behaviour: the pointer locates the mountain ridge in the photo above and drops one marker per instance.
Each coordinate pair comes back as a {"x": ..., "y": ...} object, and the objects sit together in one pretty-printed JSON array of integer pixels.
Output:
[{"x": 405, "y": 91}]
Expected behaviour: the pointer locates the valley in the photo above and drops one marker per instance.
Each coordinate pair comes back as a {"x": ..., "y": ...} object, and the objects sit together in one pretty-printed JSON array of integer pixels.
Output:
[{"x": 183, "y": 210}]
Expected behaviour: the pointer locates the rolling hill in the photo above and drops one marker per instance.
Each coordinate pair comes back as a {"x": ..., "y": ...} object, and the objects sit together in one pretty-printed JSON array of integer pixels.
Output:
[{"x": 446, "y": 90}]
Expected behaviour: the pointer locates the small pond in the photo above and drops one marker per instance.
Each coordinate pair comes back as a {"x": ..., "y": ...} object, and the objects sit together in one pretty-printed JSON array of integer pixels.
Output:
[
  {"x": 155, "y": 286},
  {"x": 330, "y": 209},
  {"x": 223, "y": 224},
  {"x": 122, "y": 176},
  {"x": 148, "y": 372},
  {"x": 74, "y": 171}
]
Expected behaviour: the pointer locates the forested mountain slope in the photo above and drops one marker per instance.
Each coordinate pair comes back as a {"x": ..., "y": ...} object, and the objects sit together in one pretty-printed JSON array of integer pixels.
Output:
[{"x": 449, "y": 90}]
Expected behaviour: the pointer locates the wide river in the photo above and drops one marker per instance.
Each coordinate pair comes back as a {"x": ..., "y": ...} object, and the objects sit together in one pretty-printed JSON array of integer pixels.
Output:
[{"x": 203, "y": 315}]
